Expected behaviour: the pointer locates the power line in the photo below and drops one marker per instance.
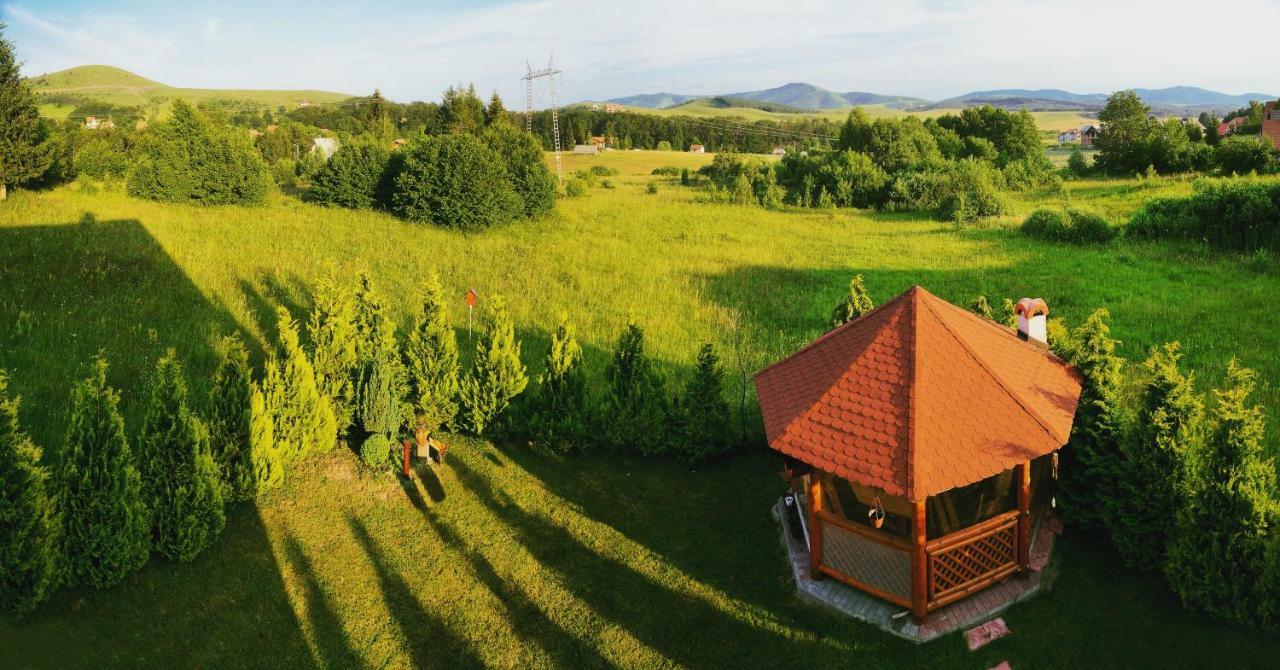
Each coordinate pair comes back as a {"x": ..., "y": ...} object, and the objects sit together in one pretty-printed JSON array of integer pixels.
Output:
[{"x": 549, "y": 73}]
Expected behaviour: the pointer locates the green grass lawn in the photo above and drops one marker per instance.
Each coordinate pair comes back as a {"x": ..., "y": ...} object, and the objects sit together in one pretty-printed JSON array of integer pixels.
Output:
[{"x": 513, "y": 559}]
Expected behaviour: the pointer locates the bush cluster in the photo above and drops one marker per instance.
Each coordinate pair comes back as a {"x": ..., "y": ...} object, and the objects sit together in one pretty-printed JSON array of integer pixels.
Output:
[
  {"x": 1229, "y": 214},
  {"x": 1072, "y": 225}
]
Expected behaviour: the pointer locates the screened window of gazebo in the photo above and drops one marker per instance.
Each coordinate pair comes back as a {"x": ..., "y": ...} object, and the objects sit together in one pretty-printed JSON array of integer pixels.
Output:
[
  {"x": 852, "y": 501},
  {"x": 966, "y": 506}
]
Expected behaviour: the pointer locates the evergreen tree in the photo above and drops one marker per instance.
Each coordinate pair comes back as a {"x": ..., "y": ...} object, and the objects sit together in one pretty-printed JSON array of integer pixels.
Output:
[
  {"x": 495, "y": 112},
  {"x": 1090, "y": 474},
  {"x": 29, "y": 523},
  {"x": 561, "y": 404},
  {"x": 1217, "y": 556},
  {"x": 180, "y": 482},
  {"x": 982, "y": 308},
  {"x": 105, "y": 521},
  {"x": 304, "y": 421},
  {"x": 265, "y": 453},
  {"x": 637, "y": 406},
  {"x": 497, "y": 376},
  {"x": 24, "y": 153},
  {"x": 857, "y": 303},
  {"x": 332, "y": 329},
  {"x": 1164, "y": 433},
  {"x": 461, "y": 110},
  {"x": 703, "y": 413},
  {"x": 431, "y": 360},
  {"x": 377, "y": 117},
  {"x": 231, "y": 418}
]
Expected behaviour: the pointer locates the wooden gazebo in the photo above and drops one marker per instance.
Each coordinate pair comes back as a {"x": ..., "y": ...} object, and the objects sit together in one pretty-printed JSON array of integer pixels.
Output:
[{"x": 920, "y": 438}]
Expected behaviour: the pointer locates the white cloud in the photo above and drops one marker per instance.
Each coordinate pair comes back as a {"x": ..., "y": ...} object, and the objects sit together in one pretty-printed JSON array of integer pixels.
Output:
[{"x": 913, "y": 47}]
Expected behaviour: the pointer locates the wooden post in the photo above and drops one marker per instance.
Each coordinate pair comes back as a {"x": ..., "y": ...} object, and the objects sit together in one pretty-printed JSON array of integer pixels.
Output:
[
  {"x": 919, "y": 566},
  {"x": 815, "y": 526},
  {"x": 406, "y": 458},
  {"x": 1024, "y": 515}
]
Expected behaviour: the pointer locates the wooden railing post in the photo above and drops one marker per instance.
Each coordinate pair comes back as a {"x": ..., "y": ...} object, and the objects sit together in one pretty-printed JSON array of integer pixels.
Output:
[
  {"x": 815, "y": 526},
  {"x": 1024, "y": 515},
  {"x": 919, "y": 566}
]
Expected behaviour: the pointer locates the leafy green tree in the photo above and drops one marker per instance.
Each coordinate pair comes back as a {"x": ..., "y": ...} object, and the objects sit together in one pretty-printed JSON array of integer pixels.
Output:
[
  {"x": 105, "y": 520},
  {"x": 854, "y": 305},
  {"x": 29, "y": 522},
  {"x": 497, "y": 375},
  {"x": 24, "y": 153},
  {"x": 561, "y": 405},
  {"x": 1126, "y": 133},
  {"x": 1077, "y": 164},
  {"x": 702, "y": 413},
  {"x": 304, "y": 421},
  {"x": 526, "y": 171},
  {"x": 231, "y": 418},
  {"x": 377, "y": 118},
  {"x": 358, "y": 176},
  {"x": 189, "y": 159},
  {"x": 1165, "y": 432},
  {"x": 431, "y": 360},
  {"x": 461, "y": 110},
  {"x": 1218, "y": 552},
  {"x": 855, "y": 134},
  {"x": 331, "y": 327},
  {"x": 455, "y": 181},
  {"x": 1089, "y": 479},
  {"x": 854, "y": 180},
  {"x": 180, "y": 481},
  {"x": 637, "y": 409}
]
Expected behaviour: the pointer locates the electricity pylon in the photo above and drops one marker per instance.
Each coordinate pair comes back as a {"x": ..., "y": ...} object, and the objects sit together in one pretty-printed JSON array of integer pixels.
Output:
[{"x": 549, "y": 73}]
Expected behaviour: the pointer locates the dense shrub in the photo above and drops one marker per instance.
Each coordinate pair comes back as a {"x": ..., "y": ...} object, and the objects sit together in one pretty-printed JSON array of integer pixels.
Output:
[
  {"x": 497, "y": 375},
  {"x": 636, "y": 411},
  {"x": 231, "y": 418},
  {"x": 1077, "y": 165},
  {"x": 188, "y": 159},
  {"x": 560, "y": 416},
  {"x": 1219, "y": 548},
  {"x": 601, "y": 170},
  {"x": 854, "y": 180},
  {"x": 1072, "y": 225},
  {"x": 701, "y": 415},
  {"x": 527, "y": 173},
  {"x": 29, "y": 523},
  {"x": 431, "y": 360},
  {"x": 961, "y": 191},
  {"x": 455, "y": 181},
  {"x": 358, "y": 176},
  {"x": 180, "y": 481},
  {"x": 665, "y": 171},
  {"x": 375, "y": 451},
  {"x": 103, "y": 157},
  {"x": 575, "y": 188},
  {"x": 1240, "y": 154},
  {"x": 105, "y": 521},
  {"x": 1231, "y": 214}
]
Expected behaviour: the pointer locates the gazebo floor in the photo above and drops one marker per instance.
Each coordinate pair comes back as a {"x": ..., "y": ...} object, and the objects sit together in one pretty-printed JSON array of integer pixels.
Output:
[{"x": 976, "y": 609}]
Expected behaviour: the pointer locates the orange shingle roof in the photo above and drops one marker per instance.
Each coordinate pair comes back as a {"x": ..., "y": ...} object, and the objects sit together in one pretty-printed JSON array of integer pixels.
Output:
[
  {"x": 918, "y": 397},
  {"x": 1270, "y": 127}
]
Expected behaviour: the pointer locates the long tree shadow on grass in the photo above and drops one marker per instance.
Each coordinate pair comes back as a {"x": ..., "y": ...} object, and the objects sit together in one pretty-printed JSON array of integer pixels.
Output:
[
  {"x": 529, "y": 622},
  {"x": 431, "y": 643},
  {"x": 660, "y": 617},
  {"x": 70, "y": 291},
  {"x": 331, "y": 642}
]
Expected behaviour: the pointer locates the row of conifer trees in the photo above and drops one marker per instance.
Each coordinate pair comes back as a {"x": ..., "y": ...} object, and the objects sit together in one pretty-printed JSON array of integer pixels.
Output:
[{"x": 111, "y": 501}]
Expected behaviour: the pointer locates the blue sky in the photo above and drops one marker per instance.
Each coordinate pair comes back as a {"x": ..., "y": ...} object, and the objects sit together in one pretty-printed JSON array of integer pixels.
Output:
[{"x": 413, "y": 50}]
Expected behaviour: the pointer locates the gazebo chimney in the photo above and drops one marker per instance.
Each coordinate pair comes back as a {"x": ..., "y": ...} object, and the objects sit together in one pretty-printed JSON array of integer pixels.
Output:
[{"x": 1033, "y": 320}]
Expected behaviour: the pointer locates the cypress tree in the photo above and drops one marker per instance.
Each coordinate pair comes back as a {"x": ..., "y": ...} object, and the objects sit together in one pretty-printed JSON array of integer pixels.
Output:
[
  {"x": 265, "y": 453},
  {"x": 304, "y": 419},
  {"x": 105, "y": 521},
  {"x": 637, "y": 407},
  {"x": 1165, "y": 430},
  {"x": 703, "y": 413},
  {"x": 561, "y": 405},
  {"x": 331, "y": 327},
  {"x": 431, "y": 360},
  {"x": 179, "y": 477},
  {"x": 29, "y": 522},
  {"x": 24, "y": 154},
  {"x": 497, "y": 375},
  {"x": 857, "y": 303},
  {"x": 1219, "y": 550},
  {"x": 231, "y": 418},
  {"x": 982, "y": 308},
  {"x": 1090, "y": 474}
]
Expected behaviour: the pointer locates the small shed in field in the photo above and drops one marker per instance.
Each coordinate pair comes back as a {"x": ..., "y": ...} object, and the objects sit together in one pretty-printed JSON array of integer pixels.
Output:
[
  {"x": 697, "y": 149},
  {"x": 921, "y": 438},
  {"x": 586, "y": 149}
]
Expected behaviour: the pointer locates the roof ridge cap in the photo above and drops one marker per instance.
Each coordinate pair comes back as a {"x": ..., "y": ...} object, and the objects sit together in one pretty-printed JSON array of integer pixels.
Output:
[
  {"x": 1044, "y": 425},
  {"x": 913, "y": 363}
]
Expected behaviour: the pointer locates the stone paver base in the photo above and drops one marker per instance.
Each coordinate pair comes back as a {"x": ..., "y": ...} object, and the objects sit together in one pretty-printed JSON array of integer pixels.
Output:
[{"x": 978, "y": 608}]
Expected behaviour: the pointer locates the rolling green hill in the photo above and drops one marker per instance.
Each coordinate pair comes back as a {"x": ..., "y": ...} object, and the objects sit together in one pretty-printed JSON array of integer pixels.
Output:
[{"x": 61, "y": 92}]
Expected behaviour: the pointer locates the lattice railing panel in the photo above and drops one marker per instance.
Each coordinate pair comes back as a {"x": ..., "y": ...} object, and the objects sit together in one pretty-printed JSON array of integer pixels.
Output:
[
  {"x": 866, "y": 561},
  {"x": 958, "y": 566}
]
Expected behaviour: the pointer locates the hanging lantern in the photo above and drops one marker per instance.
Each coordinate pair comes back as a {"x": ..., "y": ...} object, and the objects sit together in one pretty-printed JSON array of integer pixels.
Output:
[{"x": 875, "y": 515}]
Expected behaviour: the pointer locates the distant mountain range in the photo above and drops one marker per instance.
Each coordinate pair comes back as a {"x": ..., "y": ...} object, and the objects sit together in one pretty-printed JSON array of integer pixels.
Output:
[{"x": 1176, "y": 99}]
